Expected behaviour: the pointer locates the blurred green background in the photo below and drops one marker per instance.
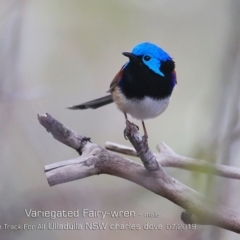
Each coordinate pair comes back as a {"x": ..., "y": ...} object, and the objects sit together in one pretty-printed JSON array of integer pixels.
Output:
[{"x": 56, "y": 53}]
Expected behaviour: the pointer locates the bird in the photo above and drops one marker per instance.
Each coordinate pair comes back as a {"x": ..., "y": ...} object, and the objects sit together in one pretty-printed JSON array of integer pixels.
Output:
[{"x": 143, "y": 86}]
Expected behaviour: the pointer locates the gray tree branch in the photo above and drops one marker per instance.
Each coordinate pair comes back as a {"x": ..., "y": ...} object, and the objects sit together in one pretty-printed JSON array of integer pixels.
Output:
[
  {"x": 97, "y": 160},
  {"x": 168, "y": 158}
]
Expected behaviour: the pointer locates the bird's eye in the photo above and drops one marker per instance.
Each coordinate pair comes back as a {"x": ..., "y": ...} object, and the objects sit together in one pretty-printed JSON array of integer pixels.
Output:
[{"x": 146, "y": 58}]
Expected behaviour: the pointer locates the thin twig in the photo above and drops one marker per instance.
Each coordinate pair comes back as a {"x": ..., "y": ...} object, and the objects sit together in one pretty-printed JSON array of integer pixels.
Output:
[{"x": 168, "y": 158}]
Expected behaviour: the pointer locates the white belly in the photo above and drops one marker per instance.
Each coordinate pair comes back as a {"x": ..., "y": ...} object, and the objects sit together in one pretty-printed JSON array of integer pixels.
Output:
[
  {"x": 141, "y": 109},
  {"x": 146, "y": 108}
]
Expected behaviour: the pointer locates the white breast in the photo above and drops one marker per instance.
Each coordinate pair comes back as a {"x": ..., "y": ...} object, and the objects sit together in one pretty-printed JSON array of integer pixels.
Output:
[
  {"x": 140, "y": 109},
  {"x": 145, "y": 108}
]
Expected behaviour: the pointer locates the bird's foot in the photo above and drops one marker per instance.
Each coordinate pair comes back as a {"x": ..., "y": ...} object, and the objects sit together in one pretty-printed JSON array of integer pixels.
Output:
[
  {"x": 144, "y": 145},
  {"x": 130, "y": 127}
]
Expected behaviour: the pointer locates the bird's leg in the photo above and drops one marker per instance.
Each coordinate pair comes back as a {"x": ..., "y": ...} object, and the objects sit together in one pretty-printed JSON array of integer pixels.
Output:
[
  {"x": 127, "y": 129},
  {"x": 125, "y": 132},
  {"x": 125, "y": 115},
  {"x": 144, "y": 130},
  {"x": 129, "y": 124}
]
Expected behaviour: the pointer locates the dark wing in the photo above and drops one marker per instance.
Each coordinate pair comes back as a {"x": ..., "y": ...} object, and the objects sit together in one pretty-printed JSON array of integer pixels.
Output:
[
  {"x": 94, "y": 103},
  {"x": 116, "y": 80}
]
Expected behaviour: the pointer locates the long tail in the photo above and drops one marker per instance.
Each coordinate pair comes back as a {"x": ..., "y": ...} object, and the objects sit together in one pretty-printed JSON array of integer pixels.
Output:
[{"x": 94, "y": 103}]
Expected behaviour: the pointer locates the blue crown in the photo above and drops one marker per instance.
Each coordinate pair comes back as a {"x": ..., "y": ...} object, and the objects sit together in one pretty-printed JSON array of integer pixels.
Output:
[{"x": 151, "y": 49}]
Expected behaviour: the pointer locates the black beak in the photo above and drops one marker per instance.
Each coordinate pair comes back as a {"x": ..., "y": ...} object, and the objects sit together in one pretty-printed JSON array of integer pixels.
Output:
[{"x": 130, "y": 55}]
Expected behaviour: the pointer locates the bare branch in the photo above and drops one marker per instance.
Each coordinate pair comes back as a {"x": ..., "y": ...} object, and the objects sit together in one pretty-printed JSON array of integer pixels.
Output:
[
  {"x": 59, "y": 132},
  {"x": 96, "y": 160},
  {"x": 115, "y": 147},
  {"x": 168, "y": 158},
  {"x": 141, "y": 147}
]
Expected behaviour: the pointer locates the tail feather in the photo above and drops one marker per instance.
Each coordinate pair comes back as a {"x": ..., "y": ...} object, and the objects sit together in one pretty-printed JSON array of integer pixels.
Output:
[{"x": 94, "y": 103}]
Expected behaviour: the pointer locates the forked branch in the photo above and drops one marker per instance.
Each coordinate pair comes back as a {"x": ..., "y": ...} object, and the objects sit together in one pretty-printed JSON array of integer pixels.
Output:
[
  {"x": 168, "y": 158},
  {"x": 97, "y": 160}
]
